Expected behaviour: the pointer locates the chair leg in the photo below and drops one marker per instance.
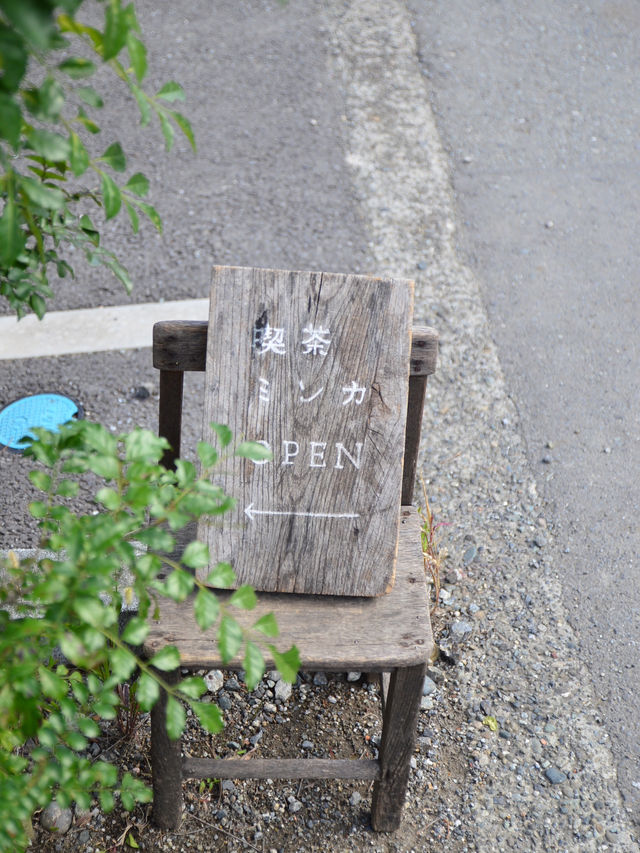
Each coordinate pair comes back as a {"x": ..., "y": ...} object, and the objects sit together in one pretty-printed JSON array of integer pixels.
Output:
[
  {"x": 398, "y": 740},
  {"x": 166, "y": 764}
]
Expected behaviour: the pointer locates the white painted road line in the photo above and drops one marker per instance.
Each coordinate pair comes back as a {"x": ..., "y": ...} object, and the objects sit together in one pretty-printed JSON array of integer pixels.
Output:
[{"x": 92, "y": 329}]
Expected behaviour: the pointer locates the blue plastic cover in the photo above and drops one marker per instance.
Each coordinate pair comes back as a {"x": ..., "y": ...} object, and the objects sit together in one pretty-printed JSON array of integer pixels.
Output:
[{"x": 48, "y": 411}]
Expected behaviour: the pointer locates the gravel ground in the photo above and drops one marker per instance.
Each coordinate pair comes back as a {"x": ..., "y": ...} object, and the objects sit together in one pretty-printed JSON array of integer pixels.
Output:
[{"x": 511, "y": 753}]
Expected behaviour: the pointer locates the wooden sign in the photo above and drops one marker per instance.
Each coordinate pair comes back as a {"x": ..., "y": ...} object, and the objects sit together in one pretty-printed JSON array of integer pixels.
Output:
[{"x": 314, "y": 366}]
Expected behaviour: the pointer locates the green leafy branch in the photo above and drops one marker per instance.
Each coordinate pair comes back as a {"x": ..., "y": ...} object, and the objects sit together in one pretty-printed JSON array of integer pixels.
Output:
[
  {"x": 45, "y": 133},
  {"x": 69, "y": 599}
]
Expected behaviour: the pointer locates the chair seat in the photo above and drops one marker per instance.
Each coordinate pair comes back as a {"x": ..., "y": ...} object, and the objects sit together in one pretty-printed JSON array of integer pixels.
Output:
[{"x": 332, "y": 634}]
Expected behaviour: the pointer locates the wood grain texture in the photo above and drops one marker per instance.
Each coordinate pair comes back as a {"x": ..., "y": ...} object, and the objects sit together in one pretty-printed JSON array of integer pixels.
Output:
[
  {"x": 182, "y": 345},
  {"x": 166, "y": 763},
  {"x": 280, "y": 768},
  {"x": 316, "y": 367},
  {"x": 398, "y": 740},
  {"x": 332, "y": 634}
]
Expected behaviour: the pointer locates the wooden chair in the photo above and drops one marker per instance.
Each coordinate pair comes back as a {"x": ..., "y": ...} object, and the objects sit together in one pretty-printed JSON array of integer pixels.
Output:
[{"x": 390, "y": 634}]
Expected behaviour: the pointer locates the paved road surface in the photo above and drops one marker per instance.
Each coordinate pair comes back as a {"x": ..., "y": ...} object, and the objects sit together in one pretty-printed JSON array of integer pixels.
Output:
[{"x": 537, "y": 105}]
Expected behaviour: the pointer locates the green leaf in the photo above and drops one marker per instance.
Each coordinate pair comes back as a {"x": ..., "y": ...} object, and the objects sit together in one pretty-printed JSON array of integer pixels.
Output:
[
  {"x": 90, "y": 96},
  {"x": 224, "y": 434},
  {"x": 254, "y": 451},
  {"x": 90, "y": 229},
  {"x": 52, "y": 146},
  {"x": 196, "y": 555},
  {"x": 193, "y": 687},
  {"x": 115, "y": 30},
  {"x": 210, "y": 716},
  {"x": 137, "y": 184},
  {"x": 185, "y": 126},
  {"x": 167, "y": 131},
  {"x": 114, "y": 157},
  {"x": 10, "y": 120},
  {"x": 143, "y": 104},
  {"x": 131, "y": 842},
  {"x": 111, "y": 196},
  {"x": 79, "y": 157},
  {"x": 121, "y": 273},
  {"x": 40, "y": 480},
  {"x": 105, "y": 466},
  {"x": 67, "y": 488},
  {"x": 77, "y": 67},
  {"x": 142, "y": 445},
  {"x": 107, "y": 800},
  {"x": 206, "y": 609},
  {"x": 147, "y": 691},
  {"x": 229, "y": 638},
  {"x": 136, "y": 631},
  {"x": 171, "y": 91},
  {"x": 176, "y": 718},
  {"x": 48, "y": 197},
  {"x": 166, "y": 659},
  {"x": 222, "y": 576},
  {"x": 12, "y": 238},
  {"x": 179, "y": 584},
  {"x": 137, "y": 55},
  {"x": 88, "y": 123},
  {"x": 133, "y": 216},
  {"x": 90, "y": 610},
  {"x": 244, "y": 598},
  {"x": 157, "y": 538},
  {"x": 185, "y": 473},
  {"x": 151, "y": 213},
  {"x": 253, "y": 665},
  {"x": 37, "y": 305},
  {"x": 52, "y": 685},
  {"x": 207, "y": 454},
  {"x": 267, "y": 625},
  {"x": 47, "y": 101},
  {"x": 287, "y": 664},
  {"x": 33, "y": 20},
  {"x": 122, "y": 664},
  {"x": 14, "y": 59}
]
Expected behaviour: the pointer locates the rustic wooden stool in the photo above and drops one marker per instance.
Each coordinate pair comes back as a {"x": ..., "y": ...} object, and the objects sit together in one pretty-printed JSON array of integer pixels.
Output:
[{"x": 388, "y": 634}]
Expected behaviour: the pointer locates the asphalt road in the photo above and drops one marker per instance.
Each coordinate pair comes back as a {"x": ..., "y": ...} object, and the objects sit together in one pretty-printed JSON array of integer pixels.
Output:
[{"x": 537, "y": 107}]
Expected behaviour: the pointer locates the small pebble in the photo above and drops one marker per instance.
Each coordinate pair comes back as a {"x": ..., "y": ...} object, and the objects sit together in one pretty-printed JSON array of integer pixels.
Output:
[
  {"x": 55, "y": 819},
  {"x": 353, "y": 676},
  {"x": 282, "y": 690},
  {"x": 555, "y": 776},
  {"x": 214, "y": 680},
  {"x": 429, "y": 686},
  {"x": 224, "y": 701},
  {"x": 469, "y": 555},
  {"x": 355, "y": 799}
]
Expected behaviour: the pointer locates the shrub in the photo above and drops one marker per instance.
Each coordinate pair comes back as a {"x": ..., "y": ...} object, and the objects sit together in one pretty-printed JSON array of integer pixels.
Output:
[
  {"x": 63, "y": 659},
  {"x": 53, "y": 166}
]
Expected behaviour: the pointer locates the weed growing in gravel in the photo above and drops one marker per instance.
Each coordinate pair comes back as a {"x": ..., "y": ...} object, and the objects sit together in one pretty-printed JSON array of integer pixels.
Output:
[
  {"x": 64, "y": 664},
  {"x": 432, "y": 554}
]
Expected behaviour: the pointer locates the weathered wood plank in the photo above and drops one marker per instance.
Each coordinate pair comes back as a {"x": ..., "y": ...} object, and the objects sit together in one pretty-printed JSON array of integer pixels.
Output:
[
  {"x": 170, "y": 413},
  {"x": 332, "y": 634},
  {"x": 315, "y": 366},
  {"x": 166, "y": 763},
  {"x": 398, "y": 741},
  {"x": 415, "y": 407},
  {"x": 182, "y": 345},
  {"x": 280, "y": 768}
]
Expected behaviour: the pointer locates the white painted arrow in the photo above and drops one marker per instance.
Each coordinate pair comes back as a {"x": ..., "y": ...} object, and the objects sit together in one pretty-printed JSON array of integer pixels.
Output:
[{"x": 251, "y": 512}]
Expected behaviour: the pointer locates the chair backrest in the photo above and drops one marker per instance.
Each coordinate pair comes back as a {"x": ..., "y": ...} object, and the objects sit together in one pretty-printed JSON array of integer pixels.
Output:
[{"x": 332, "y": 365}]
